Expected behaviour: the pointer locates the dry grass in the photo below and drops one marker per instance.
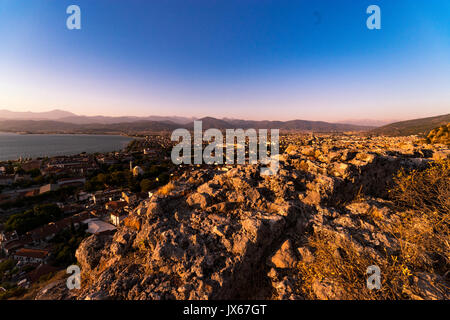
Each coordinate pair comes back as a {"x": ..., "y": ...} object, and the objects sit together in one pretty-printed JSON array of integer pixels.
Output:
[
  {"x": 375, "y": 214},
  {"x": 36, "y": 287},
  {"x": 439, "y": 135},
  {"x": 422, "y": 232},
  {"x": 425, "y": 191},
  {"x": 341, "y": 264},
  {"x": 166, "y": 189}
]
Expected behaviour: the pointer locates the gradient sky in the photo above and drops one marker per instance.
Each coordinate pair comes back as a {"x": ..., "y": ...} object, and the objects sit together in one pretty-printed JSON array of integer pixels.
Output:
[{"x": 252, "y": 59}]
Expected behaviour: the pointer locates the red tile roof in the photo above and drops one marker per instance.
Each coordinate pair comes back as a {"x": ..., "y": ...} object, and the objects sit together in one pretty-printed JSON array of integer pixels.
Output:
[{"x": 32, "y": 253}]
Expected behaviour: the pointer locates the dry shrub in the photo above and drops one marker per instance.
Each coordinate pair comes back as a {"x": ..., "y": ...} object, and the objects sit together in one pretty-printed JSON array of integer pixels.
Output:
[
  {"x": 375, "y": 214},
  {"x": 166, "y": 189},
  {"x": 425, "y": 191},
  {"x": 439, "y": 135},
  {"x": 341, "y": 264},
  {"x": 423, "y": 231}
]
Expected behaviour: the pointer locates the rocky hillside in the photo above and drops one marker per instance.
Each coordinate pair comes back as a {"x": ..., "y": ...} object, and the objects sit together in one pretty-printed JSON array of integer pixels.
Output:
[
  {"x": 293, "y": 125},
  {"x": 98, "y": 125},
  {"x": 228, "y": 233},
  {"x": 412, "y": 127}
]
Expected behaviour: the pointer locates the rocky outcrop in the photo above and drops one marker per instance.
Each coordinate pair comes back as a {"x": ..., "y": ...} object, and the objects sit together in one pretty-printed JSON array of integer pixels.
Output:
[{"x": 230, "y": 233}]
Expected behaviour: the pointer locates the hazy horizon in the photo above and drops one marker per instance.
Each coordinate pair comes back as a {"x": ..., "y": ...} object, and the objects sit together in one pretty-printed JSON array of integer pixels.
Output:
[
  {"x": 247, "y": 60},
  {"x": 47, "y": 111}
]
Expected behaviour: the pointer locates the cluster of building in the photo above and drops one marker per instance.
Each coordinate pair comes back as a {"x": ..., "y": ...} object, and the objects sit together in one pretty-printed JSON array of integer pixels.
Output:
[
  {"x": 97, "y": 212},
  {"x": 35, "y": 248},
  {"x": 64, "y": 171}
]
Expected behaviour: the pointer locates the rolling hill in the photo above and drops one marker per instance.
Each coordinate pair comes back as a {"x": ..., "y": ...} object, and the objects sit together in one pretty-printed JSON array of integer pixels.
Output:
[
  {"x": 49, "y": 115},
  {"x": 45, "y": 126},
  {"x": 412, "y": 127},
  {"x": 144, "y": 126},
  {"x": 300, "y": 125},
  {"x": 65, "y": 116}
]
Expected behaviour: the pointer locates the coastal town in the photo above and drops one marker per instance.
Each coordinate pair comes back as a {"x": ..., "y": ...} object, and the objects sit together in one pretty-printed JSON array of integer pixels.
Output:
[
  {"x": 338, "y": 204},
  {"x": 49, "y": 205}
]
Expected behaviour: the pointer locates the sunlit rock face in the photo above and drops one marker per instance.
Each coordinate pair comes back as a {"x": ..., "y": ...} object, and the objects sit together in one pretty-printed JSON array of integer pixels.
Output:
[{"x": 233, "y": 234}]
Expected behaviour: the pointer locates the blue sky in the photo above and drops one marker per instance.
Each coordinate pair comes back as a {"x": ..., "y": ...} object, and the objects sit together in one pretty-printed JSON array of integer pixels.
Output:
[{"x": 253, "y": 59}]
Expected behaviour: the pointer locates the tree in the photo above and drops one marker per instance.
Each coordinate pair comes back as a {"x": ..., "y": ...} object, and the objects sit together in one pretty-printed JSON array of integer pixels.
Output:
[
  {"x": 7, "y": 265},
  {"x": 34, "y": 173},
  {"x": 30, "y": 219},
  {"x": 163, "y": 178},
  {"x": 146, "y": 185}
]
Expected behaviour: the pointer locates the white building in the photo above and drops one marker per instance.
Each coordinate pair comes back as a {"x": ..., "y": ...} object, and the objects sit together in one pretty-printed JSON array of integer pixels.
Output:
[
  {"x": 117, "y": 217},
  {"x": 96, "y": 226}
]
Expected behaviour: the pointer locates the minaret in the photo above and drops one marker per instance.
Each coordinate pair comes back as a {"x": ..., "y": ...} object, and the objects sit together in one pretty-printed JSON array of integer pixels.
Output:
[{"x": 131, "y": 165}]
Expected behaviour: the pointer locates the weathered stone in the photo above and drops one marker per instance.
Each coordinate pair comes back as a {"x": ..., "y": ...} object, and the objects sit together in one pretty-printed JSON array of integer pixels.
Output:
[
  {"x": 89, "y": 252},
  {"x": 284, "y": 257},
  {"x": 213, "y": 236}
]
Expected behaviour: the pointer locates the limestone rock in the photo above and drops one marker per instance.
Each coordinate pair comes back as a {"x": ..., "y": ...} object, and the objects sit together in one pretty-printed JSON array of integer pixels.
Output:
[{"x": 284, "y": 257}]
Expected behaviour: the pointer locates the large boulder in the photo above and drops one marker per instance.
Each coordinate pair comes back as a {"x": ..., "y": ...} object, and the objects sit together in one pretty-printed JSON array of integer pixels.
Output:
[{"x": 89, "y": 252}]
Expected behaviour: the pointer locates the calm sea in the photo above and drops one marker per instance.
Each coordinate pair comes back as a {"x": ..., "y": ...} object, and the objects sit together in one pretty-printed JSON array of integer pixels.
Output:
[{"x": 14, "y": 146}]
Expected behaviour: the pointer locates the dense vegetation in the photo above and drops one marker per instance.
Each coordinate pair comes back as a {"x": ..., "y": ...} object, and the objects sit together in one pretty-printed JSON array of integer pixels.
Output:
[
  {"x": 115, "y": 177},
  {"x": 52, "y": 196},
  {"x": 65, "y": 245},
  {"x": 8, "y": 290},
  {"x": 31, "y": 219}
]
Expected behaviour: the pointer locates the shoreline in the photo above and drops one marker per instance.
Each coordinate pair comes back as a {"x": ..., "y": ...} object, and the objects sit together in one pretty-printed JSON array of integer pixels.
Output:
[
  {"x": 25, "y": 133},
  {"x": 20, "y": 147}
]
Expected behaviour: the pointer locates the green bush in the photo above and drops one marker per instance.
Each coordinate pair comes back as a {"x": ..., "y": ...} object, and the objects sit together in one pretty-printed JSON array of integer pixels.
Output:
[{"x": 31, "y": 219}]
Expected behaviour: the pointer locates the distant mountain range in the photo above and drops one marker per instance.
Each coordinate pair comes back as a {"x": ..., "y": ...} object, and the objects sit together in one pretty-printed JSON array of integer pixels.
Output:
[
  {"x": 59, "y": 121},
  {"x": 413, "y": 127},
  {"x": 65, "y": 116},
  {"x": 303, "y": 125},
  {"x": 50, "y": 115},
  {"x": 141, "y": 127},
  {"x": 368, "y": 122}
]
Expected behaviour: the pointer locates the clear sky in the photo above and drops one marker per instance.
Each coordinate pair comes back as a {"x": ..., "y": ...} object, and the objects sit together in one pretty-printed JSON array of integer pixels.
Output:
[{"x": 252, "y": 59}]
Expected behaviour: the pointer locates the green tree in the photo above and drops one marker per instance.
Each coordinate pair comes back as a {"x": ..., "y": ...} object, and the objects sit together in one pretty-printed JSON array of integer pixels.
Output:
[
  {"x": 30, "y": 219},
  {"x": 147, "y": 185}
]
